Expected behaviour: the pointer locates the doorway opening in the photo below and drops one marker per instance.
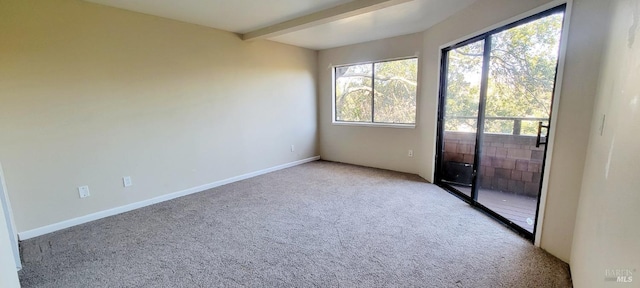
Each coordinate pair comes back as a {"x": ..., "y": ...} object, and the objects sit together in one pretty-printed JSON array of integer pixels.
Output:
[{"x": 496, "y": 95}]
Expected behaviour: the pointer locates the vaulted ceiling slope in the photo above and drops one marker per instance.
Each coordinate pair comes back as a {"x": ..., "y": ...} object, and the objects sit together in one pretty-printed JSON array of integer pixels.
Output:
[{"x": 382, "y": 19}]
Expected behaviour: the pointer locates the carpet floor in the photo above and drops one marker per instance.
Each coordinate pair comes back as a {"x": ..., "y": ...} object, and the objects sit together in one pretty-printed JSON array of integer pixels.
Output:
[{"x": 320, "y": 224}]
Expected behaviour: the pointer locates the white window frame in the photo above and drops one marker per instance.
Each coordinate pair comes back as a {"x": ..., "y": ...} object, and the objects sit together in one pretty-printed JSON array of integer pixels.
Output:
[{"x": 372, "y": 124}]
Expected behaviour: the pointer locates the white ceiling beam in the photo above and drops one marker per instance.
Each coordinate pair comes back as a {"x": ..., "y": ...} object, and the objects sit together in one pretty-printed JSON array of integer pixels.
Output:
[{"x": 354, "y": 8}]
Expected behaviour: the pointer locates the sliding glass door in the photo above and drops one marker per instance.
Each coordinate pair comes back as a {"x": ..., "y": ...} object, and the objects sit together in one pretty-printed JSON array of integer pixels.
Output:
[
  {"x": 495, "y": 110},
  {"x": 461, "y": 110}
]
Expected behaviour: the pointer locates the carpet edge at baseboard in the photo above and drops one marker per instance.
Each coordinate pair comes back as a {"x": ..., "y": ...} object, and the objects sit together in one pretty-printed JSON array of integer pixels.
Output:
[{"x": 136, "y": 205}]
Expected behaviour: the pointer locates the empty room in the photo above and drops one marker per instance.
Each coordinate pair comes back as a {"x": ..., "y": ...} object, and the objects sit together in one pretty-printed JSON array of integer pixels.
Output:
[{"x": 319, "y": 143}]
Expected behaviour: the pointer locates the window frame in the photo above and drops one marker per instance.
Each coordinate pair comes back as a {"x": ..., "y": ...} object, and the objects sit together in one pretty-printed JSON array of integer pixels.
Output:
[{"x": 334, "y": 113}]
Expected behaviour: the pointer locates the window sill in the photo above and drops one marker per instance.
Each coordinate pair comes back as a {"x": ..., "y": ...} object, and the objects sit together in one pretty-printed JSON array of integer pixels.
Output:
[{"x": 382, "y": 125}]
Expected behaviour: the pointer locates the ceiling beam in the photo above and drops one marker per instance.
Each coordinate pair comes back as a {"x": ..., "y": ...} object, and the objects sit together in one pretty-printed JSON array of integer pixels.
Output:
[{"x": 354, "y": 8}]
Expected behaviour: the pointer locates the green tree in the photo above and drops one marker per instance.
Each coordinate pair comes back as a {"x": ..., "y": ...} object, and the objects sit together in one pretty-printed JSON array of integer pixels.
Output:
[
  {"x": 383, "y": 92},
  {"x": 521, "y": 76},
  {"x": 353, "y": 93},
  {"x": 463, "y": 87}
]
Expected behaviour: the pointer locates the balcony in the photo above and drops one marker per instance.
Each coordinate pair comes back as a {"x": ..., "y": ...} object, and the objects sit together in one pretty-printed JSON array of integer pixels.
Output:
[{"x": 510, "y": 167}]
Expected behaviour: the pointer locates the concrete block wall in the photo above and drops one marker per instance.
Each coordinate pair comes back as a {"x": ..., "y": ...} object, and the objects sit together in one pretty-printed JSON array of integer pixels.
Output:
[{"x": 509, "y": 163}]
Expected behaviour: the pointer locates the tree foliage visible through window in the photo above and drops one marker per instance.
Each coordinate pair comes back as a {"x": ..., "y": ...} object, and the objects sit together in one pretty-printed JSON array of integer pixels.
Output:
[
  {"x": 522, "y": 70},
  {"x": 380, "y": 92}
]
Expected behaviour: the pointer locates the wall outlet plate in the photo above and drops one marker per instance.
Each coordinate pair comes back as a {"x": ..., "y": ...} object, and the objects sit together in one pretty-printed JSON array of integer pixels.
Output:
[
  {"x": 83, "y": 191},
  {"x": 410, "y": 154},
  {"x": 126, "y": 181}
]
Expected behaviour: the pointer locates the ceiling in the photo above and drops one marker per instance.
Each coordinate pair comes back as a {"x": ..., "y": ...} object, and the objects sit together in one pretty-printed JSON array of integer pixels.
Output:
[{"x": 243, "y": 16}]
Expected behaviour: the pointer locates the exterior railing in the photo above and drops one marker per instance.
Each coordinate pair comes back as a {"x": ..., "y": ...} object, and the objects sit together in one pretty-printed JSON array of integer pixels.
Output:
[
  {"x": 517, "y": 121},
  {"x": 510, "y": 162}
]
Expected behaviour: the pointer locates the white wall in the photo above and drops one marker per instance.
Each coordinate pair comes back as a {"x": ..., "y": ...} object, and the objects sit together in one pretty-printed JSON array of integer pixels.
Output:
[
  {"x": 386, "y": 147},
  {"x": 607, "y": 233},
  {"x": 10, "y": 224},
  {"x": 381, "y": 147},
  {"x": 582, "y": 66},
  {"x": 8, "y": 272},
  {"x": 90, "y": 94}
]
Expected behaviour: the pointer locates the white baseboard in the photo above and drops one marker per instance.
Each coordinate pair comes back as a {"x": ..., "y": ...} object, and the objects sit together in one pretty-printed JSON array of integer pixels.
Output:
[{"x": 114, "y": 211}]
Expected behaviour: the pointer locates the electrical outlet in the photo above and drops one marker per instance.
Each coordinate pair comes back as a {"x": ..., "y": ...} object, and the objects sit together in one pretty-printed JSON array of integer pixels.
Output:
[
  {"x": 83, "y": 191},
  {"x": 410, "y": 154},
  {"x": 126, "y": 181},
  {"x": 293, "y": 148}
]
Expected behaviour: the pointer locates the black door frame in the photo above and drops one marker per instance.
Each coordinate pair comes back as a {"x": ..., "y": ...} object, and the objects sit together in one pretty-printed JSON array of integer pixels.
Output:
[{"x": 473, "y": 198}]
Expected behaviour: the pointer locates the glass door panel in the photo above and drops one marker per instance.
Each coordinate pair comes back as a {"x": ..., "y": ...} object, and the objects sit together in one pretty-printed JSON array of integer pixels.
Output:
[
  {"x": 464, "y": 73},
  {"x": 496, "y": 101},
  {"x": 521, "y": 80}
]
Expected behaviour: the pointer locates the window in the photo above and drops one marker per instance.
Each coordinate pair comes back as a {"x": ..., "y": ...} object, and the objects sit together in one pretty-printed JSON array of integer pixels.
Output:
[{"x": 380, "y": 92}]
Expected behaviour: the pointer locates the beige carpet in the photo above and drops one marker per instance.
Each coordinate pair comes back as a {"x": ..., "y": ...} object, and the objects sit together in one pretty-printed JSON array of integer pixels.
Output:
[{"x": 321, "y": 224}]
